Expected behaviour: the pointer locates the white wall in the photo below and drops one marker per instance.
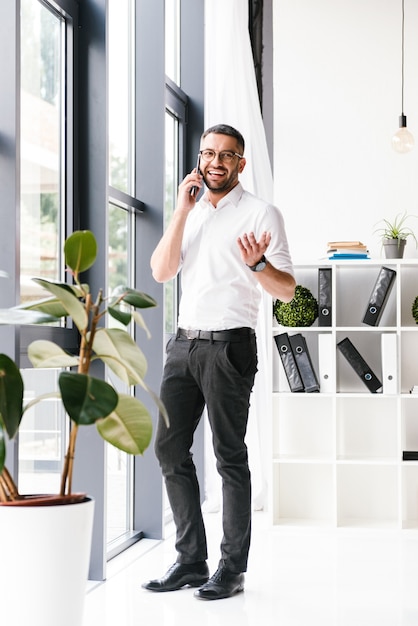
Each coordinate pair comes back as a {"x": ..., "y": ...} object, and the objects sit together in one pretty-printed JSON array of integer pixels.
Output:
[{"x": 337, "y": 98}]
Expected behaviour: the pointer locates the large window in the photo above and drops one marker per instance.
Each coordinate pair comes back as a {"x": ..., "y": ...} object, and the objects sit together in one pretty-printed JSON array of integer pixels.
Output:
[
  {"x": 43, "y": 172},
  {"x": 172, "y": 40},
  {"x": 175, "y": 132},
  {"x": 45, "y": 105},
  {"x": 121, "y": 233},
  {"x": 43, "y": 435},
  {"x": 121, "y": 94},
  {"x": 119, "y": 464},
  {"x": 171, "y": 184}
]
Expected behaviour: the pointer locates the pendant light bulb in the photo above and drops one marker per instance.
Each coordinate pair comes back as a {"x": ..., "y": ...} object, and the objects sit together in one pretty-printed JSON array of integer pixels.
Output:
[{"x": 403, "y": 140}]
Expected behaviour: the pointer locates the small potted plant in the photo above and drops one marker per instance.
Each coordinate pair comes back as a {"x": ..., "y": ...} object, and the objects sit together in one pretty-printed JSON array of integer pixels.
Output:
[
  {"x": 301, "y": 311},
  {"x": 56, "y": 589},
  {"x": 394, "y": 234}
]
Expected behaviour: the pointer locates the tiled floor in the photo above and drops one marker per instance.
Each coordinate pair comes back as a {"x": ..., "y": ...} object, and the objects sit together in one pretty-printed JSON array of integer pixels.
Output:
[{"x": 296, "y": 577}]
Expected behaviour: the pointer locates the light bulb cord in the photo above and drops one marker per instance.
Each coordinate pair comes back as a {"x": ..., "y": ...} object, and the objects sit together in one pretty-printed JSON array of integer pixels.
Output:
[
  {"x": 402, "y": 140},
  {"x": 403, "y": 53}
]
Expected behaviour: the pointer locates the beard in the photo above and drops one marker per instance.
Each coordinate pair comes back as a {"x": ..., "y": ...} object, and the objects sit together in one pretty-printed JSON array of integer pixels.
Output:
[{"x": 226, "y": 184}]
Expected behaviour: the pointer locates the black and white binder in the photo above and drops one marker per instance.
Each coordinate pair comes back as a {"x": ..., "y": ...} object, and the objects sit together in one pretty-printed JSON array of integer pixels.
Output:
[
  {"x": 289, "y": 362},
  {"x": 304, "y": 362},
  {"x": 379, "y": 296},
  {"x": 359, "y": 365},
  {"x": 324, "y": 296}
]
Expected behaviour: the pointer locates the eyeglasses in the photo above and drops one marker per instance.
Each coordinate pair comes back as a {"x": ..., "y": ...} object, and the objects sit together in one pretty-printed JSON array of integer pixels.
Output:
[{"x": 226, "y": 155}]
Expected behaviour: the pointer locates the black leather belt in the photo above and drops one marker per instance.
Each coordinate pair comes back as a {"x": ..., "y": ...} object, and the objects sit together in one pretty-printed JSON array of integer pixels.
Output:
[{"x": 234, "y": 334}]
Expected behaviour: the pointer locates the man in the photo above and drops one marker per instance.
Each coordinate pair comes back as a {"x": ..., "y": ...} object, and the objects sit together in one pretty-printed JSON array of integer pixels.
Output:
[{"x": 226, "y": 245}]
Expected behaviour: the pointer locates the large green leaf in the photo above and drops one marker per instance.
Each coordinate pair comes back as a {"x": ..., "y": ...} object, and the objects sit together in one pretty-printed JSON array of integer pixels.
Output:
[
  {"x": 18, "y": 316},
  {"x": 120, "y": 352},
  {"x": 67, "y": 296},
  {"x": 11, "y": 395},
  {"x": 86, "y": 399},
  {"x": 51, "y": 306},
  {"x": 2, "y": 448},
  {"x": 125, "y": 317},
  {"x": 136, "y": 298},
  {"x": 120, "y": 315},
  {"x": 137, "y": 317},
  {"x": 44, "y": 353},
  {"x": 128, "y": 427},
  {"x": 80, "y": 250}
]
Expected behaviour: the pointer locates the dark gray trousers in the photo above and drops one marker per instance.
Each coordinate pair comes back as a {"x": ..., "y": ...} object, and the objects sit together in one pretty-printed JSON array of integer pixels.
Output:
[{"x": 220, "y": 375}]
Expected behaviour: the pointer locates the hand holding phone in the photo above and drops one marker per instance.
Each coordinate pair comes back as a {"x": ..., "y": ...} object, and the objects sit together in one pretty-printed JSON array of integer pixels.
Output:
[{"x": 194, "y": 190}]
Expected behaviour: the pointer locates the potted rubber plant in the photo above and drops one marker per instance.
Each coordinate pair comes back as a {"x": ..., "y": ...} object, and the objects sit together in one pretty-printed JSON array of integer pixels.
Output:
[
  {"x": 121, "y": 419},
  {"x": 394, "y": 235}
]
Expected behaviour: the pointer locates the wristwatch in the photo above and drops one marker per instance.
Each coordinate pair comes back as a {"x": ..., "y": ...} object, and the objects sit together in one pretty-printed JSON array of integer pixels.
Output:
[{"x": 258, "y": 267}]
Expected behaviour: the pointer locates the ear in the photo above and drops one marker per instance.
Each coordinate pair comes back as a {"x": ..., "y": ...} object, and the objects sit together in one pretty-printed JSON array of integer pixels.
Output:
[{"x": 242, "y": 163}]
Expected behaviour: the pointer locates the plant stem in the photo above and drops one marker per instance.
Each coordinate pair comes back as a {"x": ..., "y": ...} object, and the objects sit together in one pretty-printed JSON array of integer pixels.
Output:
[
  {"x": 67, "y": 474},
  {"x": 3, "y": 494},
  {"x": 8, "y": 489},
  {"x": 86, "y": 348}
]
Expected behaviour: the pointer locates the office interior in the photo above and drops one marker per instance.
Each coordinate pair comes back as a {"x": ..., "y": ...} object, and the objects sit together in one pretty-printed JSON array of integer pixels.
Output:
[{"x": 103, "y": 104}]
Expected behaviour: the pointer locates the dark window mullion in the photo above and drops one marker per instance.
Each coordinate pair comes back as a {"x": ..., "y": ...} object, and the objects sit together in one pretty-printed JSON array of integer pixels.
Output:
[{"x": 124, "y": 200}]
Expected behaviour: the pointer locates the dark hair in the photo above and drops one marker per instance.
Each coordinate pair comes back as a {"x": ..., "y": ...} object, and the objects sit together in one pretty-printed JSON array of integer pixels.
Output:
[{"x": 224, "y": 129}]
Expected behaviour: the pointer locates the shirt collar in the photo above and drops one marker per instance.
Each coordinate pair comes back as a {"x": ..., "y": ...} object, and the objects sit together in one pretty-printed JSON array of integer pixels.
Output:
[{"x": 233, "y": 197}]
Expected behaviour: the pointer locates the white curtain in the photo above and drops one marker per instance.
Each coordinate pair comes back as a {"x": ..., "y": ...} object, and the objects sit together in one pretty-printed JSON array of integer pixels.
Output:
[{"x": 231, "y": 98}]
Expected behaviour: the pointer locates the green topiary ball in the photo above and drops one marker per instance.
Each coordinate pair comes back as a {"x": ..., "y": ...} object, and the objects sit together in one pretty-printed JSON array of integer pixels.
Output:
[
  {"x": 301, "y": 311},
  {"x": 415, "y": 309}
]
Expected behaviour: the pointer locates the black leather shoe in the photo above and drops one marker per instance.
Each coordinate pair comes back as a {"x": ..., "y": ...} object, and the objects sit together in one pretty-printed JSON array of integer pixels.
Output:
[
  {"x": 179, "y": 575},
  {"x": 223, "y": 584}
]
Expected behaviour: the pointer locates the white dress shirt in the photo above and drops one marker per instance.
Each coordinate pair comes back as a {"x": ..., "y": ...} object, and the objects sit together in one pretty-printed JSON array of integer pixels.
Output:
[{"x": 218, "y": 290}]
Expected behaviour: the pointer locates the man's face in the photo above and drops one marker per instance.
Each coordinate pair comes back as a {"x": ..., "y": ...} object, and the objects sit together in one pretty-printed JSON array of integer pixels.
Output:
[{"x": 221, "y": 176}]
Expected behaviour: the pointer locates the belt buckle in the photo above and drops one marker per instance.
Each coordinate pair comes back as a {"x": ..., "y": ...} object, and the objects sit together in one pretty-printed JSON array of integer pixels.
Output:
[{"x": 189, "y": 334}]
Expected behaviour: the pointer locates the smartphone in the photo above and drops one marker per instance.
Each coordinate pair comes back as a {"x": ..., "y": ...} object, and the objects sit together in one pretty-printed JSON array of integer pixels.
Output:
[{"x": 194, "y": 190}]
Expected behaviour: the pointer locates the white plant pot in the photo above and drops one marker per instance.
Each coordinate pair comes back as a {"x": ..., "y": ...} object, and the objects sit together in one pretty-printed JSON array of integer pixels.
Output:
[{"x": 44, "y": 561}]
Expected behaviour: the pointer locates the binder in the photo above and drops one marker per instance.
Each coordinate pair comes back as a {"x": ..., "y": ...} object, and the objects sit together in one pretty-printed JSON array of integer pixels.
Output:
[
  {"x": 324, "y": 296},
  {"x": 326, "y": 361},
  {"x": 379, "y": 296},
  {"x": 304, "y": 362},
  {"x": 409, "y": 455},
  {"x": 389, "y": 363},
  {"x": 289, "y": 362},
  {"x": 359, "y": 365}
]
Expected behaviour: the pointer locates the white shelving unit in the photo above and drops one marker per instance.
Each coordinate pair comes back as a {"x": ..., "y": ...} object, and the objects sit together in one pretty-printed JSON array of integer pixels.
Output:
[{"x": 337, "y": 455}]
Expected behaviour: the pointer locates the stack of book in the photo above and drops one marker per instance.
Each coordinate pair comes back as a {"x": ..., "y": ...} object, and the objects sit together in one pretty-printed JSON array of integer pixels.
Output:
[{"x": 347, "y": 250}]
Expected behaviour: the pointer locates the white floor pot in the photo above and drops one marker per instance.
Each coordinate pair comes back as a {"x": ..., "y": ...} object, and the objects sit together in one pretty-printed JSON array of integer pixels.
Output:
[{"x": 44, "y": 561}]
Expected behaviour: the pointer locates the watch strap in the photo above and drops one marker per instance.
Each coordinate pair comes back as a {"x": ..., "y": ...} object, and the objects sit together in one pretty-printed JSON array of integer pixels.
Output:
[{"x": 253, "y": 268}]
